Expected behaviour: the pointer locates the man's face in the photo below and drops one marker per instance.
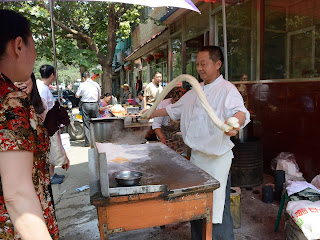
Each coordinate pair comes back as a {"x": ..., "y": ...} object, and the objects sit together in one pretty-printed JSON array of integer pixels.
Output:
[
  {"x": 207, "y": 69},
  {"x": 157, "y": 78}
]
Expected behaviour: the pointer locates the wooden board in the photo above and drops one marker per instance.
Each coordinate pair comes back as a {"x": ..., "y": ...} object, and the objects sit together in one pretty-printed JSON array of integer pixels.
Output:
[{"x": 159, "y": 165}]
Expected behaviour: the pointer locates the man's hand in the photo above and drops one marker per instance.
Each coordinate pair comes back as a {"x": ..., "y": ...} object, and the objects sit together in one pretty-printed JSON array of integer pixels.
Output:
[
  {"x": 160, "y": 135},
  {"x": 242, "y": 117},
  {"x": 232, "y": 132}
]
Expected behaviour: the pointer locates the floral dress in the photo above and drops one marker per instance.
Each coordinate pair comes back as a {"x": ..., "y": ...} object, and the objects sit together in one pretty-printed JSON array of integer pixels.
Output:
[
  {"x": 105, "y": 112},
  {"x": 20, "y": 130},
  {"x": 174, "y": 140}
]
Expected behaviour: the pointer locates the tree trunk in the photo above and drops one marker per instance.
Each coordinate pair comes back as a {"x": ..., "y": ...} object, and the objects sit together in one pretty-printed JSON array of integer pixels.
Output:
[{"x": 106, "y": 78}]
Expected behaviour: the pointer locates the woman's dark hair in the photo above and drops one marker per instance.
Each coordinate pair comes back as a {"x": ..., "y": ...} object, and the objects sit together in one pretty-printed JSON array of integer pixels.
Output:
[
  {"x": 12, "y": 25},
  {"x": 35, "y": 97},
  {"x": 46, "y": 70},
  {"x": 141, "y": 92},
  {"x": 106, "y": 95}
]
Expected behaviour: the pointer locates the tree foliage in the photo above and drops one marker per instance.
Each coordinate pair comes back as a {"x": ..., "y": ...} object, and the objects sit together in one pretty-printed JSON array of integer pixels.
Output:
[{"x": 86, "y": 32}]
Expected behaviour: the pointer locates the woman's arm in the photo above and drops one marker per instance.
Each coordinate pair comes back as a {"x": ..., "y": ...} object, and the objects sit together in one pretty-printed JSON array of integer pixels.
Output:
[
  {"x": 160, "y": 135},
  {"x": 159, "y": 113},
  {"x": 21, "y": 200},
  {"x": 103, "y": 108}
]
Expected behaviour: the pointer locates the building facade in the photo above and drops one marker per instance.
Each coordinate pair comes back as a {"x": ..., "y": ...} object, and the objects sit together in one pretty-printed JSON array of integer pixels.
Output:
[{"x": 273, "y": 58}]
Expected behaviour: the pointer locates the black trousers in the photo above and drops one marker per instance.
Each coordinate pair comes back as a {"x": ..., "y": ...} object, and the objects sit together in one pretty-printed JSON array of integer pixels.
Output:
[
  {"x": 89, "y": 110},
  {"x": 223, "y": 231}
]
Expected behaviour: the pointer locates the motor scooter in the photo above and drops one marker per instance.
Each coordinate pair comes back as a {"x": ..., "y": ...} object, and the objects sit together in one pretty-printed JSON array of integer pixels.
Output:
[{"x": 75, "y": 128}]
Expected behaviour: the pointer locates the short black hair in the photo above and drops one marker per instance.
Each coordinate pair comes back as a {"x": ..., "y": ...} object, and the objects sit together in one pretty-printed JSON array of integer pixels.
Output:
[
  {"x": 141, "y": 92},
  {"x": 86, "y": 75},
  {"x": 12, "y": 25},
  {"x": 215, "y": 53},
  {"x": 46, "y": 70}
]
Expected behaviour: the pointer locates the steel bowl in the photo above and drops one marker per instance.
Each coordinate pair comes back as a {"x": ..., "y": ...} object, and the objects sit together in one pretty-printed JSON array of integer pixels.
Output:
[
  {"x": 143, "y": 120},
  {"x": 127, "y": 178}
]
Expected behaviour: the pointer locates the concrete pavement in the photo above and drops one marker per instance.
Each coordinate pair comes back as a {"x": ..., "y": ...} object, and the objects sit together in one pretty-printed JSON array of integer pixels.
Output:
[{"x": 77, "y": 218}]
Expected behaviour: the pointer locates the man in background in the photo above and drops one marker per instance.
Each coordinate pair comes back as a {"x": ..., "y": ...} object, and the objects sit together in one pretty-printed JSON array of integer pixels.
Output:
[
  {"x": 90, "y": 92},
  {"x": 152, "y": 91}
]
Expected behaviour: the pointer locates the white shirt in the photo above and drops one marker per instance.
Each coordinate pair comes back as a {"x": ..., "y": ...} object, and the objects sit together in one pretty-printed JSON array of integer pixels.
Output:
[
  {"x": 89, "y": 90},
  {"x": 45, "y": 94},
  {"x": 198, "y": 130},
  {"x": 161, "y": 121},
  {"x": 152, "y": 91}
]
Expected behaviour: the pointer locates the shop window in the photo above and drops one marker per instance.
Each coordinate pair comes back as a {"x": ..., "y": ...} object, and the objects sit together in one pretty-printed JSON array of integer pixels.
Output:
[
  {"x": 145, "y": 76},
  {"x": 241, "y": 39},
  {"x": 193, "y": 46},
  {"x": 176, "y": 57},
  {"x": 291, "y": 39}
]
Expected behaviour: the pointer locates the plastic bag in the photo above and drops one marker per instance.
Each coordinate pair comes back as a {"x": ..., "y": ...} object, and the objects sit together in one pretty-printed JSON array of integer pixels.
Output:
[
  {"x": 286, "y": 161},
  {"x": 316, "y": 181},
  {"x": 57, "y": 154},
  {"x": 306, "y": 215}
]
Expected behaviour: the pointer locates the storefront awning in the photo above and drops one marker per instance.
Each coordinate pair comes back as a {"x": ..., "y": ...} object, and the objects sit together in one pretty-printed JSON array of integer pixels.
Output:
[{"x": 149, "y": 45}]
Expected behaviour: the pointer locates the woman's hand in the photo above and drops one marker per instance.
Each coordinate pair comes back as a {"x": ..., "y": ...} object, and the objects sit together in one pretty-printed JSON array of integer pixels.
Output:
[{"x": 66, "y": 165}]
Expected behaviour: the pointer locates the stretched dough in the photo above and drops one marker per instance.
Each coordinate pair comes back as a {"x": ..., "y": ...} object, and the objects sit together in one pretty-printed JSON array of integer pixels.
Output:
[{"x": 202, "y": 97}]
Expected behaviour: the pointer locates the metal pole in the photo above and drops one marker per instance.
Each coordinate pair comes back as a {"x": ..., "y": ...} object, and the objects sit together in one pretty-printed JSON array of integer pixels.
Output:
[
  {"x": 51, "y": 3},
  {"x": 225, "y": 53}
]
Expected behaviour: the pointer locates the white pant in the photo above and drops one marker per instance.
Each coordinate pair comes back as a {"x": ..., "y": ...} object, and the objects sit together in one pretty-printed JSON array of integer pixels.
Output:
[{"x": 218, "y": 167}]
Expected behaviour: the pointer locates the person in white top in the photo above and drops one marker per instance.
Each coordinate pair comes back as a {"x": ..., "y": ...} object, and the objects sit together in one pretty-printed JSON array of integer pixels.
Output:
[
  {"x": 152, "y": 91},
  {"x": 166, "y": 129},
  {"x": 47, "y": 73},
  {"x": 90, "y": 93},
  {"x": 47, "y": 78},
  {"x": 211, "y": 148}
]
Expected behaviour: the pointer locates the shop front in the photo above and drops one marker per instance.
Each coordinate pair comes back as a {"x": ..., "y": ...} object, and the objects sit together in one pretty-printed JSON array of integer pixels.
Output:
[{"x": 273, "y": 57}]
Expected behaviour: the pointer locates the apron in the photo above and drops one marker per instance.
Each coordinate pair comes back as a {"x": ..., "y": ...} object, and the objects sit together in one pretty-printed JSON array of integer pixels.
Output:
[{"x": 218, "y": 167}]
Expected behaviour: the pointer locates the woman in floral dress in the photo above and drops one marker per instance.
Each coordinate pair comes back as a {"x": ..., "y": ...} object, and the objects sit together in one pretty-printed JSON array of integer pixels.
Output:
[
  {"x": 26, "y": 210},
  {"x": 104, "y": 105}
]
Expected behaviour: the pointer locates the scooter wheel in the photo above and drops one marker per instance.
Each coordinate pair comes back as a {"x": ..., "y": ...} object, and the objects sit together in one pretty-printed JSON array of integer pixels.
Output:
[{"x": 76, "y": 132}]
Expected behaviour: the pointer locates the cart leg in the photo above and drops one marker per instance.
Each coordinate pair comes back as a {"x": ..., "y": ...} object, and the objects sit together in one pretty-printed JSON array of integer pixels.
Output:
[
  {"x": 102, "y": 223},
  {"x": 207, "y": 225},
  {"x": 206, "y": 229}
]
